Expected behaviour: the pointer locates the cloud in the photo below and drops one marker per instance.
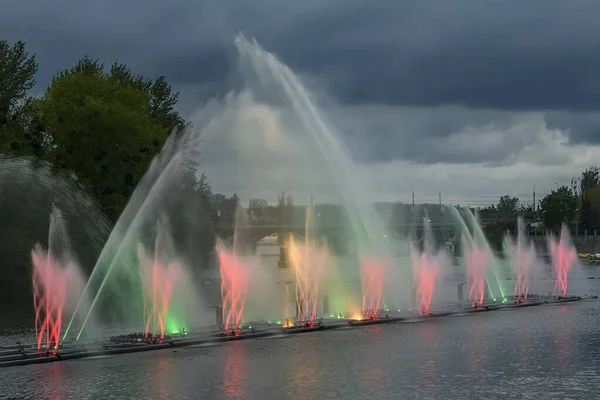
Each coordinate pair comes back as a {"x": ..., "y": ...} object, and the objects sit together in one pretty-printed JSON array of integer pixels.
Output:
[
  {"x": 501, "y": 55},
  {"x": 424, "y": 90},
  {"x": 258, "y": 146}
]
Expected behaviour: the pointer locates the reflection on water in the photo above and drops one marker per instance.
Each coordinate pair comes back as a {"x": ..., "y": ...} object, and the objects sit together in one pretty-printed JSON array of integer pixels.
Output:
[
  {"x": 303, "y": 379},
  {"x": 163, "y": 380},
  {"x": 233, "y": 373},
  {"x": 477, "y": 345},
  {"x": 374, "y": 372},
  {"x": 57, "y": 383},
  {"x": 426, "y": 372},
  {"x": 563, "y": 336},
  {"x": 521, "y": 353}
]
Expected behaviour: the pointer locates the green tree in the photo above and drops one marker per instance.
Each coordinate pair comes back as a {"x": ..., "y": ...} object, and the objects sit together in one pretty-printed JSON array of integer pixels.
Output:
[
  {"x": 160, "y": 96},
  {"x": 589, "y": 216},
  {"x": 558, "y": 207},
  {"x": 508, "y": 206},
  {"x": 20, "y": 129},
  {"x": 102, "y": 129},
  {"x": 17, "y": 72}
]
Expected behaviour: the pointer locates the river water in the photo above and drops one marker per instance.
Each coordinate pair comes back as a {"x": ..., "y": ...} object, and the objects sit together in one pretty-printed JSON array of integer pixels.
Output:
[{"x": 548, "y": 352}]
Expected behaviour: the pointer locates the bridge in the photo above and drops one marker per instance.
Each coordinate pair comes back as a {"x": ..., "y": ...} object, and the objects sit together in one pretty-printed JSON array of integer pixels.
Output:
[{"x": 336, "y": 234}]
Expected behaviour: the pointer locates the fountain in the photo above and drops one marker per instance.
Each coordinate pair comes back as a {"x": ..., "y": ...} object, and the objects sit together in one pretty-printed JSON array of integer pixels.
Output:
[
  {"x": 163, "y": 276},
  {"x": 426, "y": 269},
  {"x": 365, "y": 223},
  {"x": 234, "y": 288},
  {"x": 163, "y": 286},
  {"x": 564, "y": 257},
  {"x": 235, "y": 278},
  {"x": 480, "y": 263},
  {"x": 522, "y": 258},
  {"x": 114, "y": 275},
  {"x": 309, "y": 262},
  {"x": 476, "y": 261},
  {"x": 57, "y": 284}
]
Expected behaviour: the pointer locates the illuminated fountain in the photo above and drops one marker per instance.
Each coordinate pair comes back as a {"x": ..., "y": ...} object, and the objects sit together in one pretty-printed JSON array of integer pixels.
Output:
[
  {"x": 325, "y": 151},
  {"x": 57, "y": 284},
  {"x": 522, "y": 259},
  {"x": 481, "y": 266},
  {"x": 163, "y": 282},
  {"x": 235, "y": 278},
  {"x": 309, "y": 262},
  {"x": 115, "y": 280},
  {"x": 372, "y": 275},
  {"x": 426, "y": 269},
  {"x": 234, "y": 287},
  {"x": 476, "y": 262},
  {"x": 564, "y": 257}
]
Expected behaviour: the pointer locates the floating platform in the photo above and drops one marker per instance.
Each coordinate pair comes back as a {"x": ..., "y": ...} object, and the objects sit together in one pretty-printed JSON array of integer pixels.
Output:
[{"x": 19, "y": 355}]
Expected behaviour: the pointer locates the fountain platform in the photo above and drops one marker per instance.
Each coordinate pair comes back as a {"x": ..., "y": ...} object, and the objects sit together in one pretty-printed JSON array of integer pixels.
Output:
[{"x": 20, "y": 355}]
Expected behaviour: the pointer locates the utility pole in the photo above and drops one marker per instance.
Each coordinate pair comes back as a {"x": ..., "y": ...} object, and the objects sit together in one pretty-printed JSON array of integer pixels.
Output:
[{"x": 440, "y": 199}]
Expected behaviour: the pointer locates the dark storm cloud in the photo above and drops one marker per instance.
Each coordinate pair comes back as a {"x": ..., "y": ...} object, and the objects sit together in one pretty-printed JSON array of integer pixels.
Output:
[
  {"x": 582, "y": 127},
  {"x": 495, "y": 54},
  {"x": 495, "y": 59}
]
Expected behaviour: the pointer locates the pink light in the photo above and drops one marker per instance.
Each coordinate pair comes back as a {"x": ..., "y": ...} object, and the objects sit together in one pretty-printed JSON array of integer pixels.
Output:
[
  {"x": 372, "y": 273},
  {"x": 308, "y": 262},
  {"x": 563, "y": 259},
  {"x": 158, "y": 280},
  {"x": 426, "y": 270},
  {"x": 234, "y": 286},
  {"x": 476, "y": 260},
  {"x": 51, "y": 284}
]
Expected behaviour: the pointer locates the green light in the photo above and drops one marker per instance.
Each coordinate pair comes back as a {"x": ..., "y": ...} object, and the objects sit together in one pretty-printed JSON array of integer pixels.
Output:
[
  {"x": 278, "y": 322},
  {"x": 331, "y": 316},
  {"x": 494, "y": 299}
]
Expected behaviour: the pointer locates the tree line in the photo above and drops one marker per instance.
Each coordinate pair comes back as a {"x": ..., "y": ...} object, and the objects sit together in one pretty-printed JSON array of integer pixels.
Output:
[
  {"x": 576, "y": 205},
  {"x": 99, "y": 125}
]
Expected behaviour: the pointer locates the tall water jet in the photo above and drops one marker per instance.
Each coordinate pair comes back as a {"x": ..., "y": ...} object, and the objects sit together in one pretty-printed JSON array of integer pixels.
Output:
[
  {"x": 522, "y": 258},
  {"x": 476, "y": 262},
  {"x": 163, "y": 283},
  {"x": 234, "y": 287},
  {"x": 426, "y": 269},
  {"x": 564, "y": 258},
  {"x": 157, "y": 187},
  {"x": 309, "y": 262},
  {"x": 372, "y": 275},
  {"x": 57, "y": 283},
  {"x": 365, "y": 223},
  {"x": 481, "y": 265},
  {"x": 235, "y": 277},
  {"x": 30, "y": 190}
]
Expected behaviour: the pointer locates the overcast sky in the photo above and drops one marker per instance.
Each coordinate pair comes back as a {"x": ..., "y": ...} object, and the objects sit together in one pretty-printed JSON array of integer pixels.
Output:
[{"x": 473, "y": 99}]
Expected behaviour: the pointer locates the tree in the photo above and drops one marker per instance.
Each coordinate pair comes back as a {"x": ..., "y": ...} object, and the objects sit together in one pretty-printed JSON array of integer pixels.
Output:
[
  {"x": 17, "y": 71},
  {"x": 102, "y": 129},
  {"x": 589, "y": 216},
  {"x": 558, "y": 207},
  {"x": 161, "y": 98},
  {"x": 508, "y": 206},
  {"x": 20, "y": 129}
]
